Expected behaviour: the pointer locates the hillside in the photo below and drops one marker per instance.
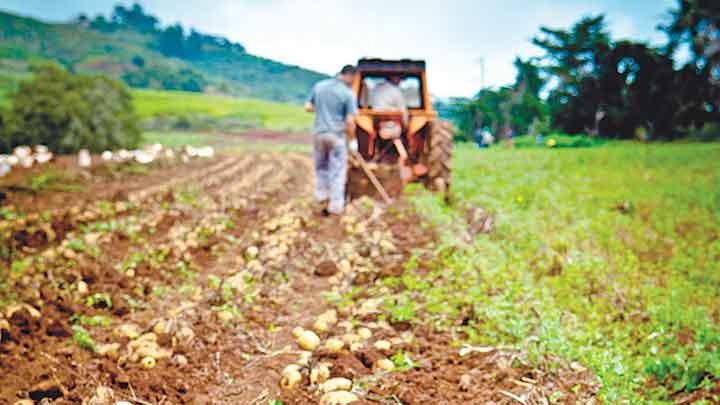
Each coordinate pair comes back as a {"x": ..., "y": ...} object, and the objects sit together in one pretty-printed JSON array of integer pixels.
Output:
[{"x": 147, "y": 58}]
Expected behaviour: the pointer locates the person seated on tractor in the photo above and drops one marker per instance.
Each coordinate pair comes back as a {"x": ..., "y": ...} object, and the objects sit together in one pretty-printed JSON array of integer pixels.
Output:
[{"x": 387, "y": 96}]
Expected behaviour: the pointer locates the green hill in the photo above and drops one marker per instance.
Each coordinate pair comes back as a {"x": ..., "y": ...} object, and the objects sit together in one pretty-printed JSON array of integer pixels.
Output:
[{"x": 131, "y": 46}]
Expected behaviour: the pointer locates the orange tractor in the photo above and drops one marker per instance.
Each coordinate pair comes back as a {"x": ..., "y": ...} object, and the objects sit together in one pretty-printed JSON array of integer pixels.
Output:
[{"x": 412, "y": 143}]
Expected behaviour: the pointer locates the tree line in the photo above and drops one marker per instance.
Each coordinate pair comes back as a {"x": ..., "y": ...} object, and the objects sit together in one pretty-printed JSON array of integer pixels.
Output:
[
  {"x": 172, "y": 41},
  {"x": 586, "y": 82}
]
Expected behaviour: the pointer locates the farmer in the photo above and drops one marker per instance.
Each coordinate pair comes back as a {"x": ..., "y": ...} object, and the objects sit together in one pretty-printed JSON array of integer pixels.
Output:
[
  {"x": 335, "y": 109},
  {"x": 387, "y": 96}
]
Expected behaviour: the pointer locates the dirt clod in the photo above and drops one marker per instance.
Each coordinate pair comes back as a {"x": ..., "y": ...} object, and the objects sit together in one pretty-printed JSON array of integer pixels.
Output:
[{"x": 326, "y": 269}]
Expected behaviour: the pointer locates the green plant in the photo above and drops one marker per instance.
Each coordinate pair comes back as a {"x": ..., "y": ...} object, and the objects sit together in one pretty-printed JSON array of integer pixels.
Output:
[
  {"x": 98, "y": 300},
  {"x": 83, "y": 338},
  {"x": 95, "y": 320}
]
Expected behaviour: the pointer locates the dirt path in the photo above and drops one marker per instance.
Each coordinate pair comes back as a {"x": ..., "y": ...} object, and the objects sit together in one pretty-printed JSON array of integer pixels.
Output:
[{"x": 192, "y": 287}]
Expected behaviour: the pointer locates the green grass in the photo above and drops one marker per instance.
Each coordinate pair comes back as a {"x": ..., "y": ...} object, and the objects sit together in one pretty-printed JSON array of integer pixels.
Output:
[
  {"x": 259, "y": 113},
  {"x": 608, "y": 256}
]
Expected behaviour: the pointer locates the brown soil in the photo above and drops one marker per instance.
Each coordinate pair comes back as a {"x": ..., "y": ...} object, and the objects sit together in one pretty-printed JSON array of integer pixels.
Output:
[{"x": 215, "y": 263}]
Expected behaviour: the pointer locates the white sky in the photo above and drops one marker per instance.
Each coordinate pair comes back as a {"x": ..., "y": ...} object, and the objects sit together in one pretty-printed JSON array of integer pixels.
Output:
[{"x": 452, "y": 35}]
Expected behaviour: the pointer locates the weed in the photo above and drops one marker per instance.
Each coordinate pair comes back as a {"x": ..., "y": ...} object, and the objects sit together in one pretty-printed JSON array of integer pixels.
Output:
[
  {"x": 402, "y": 361},
  {"x": 95, "y": 320},
  {"x": 98, "y": 300},
  {"x": 83, "y": 338}
]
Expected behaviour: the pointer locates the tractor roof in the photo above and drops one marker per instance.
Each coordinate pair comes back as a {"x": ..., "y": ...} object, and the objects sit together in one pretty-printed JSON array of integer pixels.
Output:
[{"x": 391, "y": 66}]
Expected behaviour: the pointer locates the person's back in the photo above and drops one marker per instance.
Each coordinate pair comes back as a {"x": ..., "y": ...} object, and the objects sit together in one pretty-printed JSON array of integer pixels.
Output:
[
  {"x": 335, "y": 109},
  {"x": 333, "y": 101}
]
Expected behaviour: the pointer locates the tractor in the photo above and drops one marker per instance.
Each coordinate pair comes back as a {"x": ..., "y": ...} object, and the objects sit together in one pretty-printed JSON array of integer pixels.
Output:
[{"x": 396, "y": 146}]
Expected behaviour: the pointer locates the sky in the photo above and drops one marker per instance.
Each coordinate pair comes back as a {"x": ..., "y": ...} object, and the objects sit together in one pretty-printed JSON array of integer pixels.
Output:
[{"x": 456, "y": 37}]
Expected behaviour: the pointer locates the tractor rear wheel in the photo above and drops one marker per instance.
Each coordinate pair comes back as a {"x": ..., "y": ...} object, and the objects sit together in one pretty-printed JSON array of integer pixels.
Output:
[{"x": 439, "y": 156}]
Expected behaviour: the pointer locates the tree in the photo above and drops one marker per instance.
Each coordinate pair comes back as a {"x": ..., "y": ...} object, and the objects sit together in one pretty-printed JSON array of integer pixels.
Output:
[
  {"x": 68, "y": 112},
  {"x": 515, "y": 107},
  {"x": 171, "y": 41},
  {"x": 572, "y": 58},
  {"x": 134, "y": 17}
]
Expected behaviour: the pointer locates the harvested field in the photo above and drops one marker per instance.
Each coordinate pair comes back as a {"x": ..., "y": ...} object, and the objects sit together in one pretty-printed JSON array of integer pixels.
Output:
[{"x": 183, "y": 285}]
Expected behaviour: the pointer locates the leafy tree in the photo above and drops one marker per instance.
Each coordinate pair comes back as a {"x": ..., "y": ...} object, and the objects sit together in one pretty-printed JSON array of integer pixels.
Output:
[
  {"x": 171, "y": 41},
  {"x": 515, "y": 107},
  {"x": 613, "y": 89},
  {"x": 68, "y": 112},
  {"x": 134, "y": 17}
]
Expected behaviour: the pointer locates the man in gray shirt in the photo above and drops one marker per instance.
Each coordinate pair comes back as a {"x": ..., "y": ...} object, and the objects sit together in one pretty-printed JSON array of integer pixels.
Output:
[{"x": 335, "y": 109}]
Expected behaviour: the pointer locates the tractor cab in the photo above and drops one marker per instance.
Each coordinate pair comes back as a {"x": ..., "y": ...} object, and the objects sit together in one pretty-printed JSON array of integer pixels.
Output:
[{"x": 396, "y": 122}]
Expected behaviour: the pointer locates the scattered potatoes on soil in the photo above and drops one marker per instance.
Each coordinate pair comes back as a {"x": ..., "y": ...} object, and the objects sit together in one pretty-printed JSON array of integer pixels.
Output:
[
  {"x": 308, "y": 340},
  {"x": 336, "y": 384},
  {"x": 382, "y": 345},
  {"x": 338, "y": 398}
]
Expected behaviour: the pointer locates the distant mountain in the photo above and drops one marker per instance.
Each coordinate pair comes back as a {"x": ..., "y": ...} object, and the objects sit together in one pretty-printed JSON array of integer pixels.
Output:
[{"x": 131, "y": 46}]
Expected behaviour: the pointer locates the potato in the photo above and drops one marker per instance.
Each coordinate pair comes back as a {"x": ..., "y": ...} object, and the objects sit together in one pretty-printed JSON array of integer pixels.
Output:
[
  {"x": 319, "y": 374},
  {"x": 290, "y": 368},
  {"x": 320, "y": 327},
  {"x": 129, "y": 330},
  {"x": 297, "y": 331},
  {"x": 225, "y": 316},
  {"x": 82, "y": 287},
  {"x": 334, "y": 345},
  {"x": 148, "y": 362},
  {"x": 336, "y": 384},
  {"x": 290, "y": 380},
  {"x": 382, "y": 345},
  {"x": 308, "y": 340},
  {"x": 110, "y": 350},
  {"x": 252, "y": 252},
  {"x": 161, "y": 327},
  {"x": 304, "y": 358},
  {"x": 329, "y": 317},
  {"x": 384, "y": 364},
  {"x": 357, "y": 346},
  {"x": 350, "y": 338},
  {"x": 338, "y": 398},
  {"x": 364, "y": 333}
]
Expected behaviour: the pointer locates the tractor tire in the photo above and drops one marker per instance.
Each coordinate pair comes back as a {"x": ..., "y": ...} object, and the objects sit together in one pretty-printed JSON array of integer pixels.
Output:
[{"x": 439, "y": 157}]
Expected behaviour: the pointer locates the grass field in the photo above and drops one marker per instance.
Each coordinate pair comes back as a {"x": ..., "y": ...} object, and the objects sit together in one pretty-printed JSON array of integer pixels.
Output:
[
  {"x": 608, "y": 256},
  {"x": 260, "y": 113}
]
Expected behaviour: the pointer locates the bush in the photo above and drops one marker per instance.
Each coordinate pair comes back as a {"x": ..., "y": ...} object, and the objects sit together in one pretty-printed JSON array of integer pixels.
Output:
[{"x": 70, "y": 112}]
